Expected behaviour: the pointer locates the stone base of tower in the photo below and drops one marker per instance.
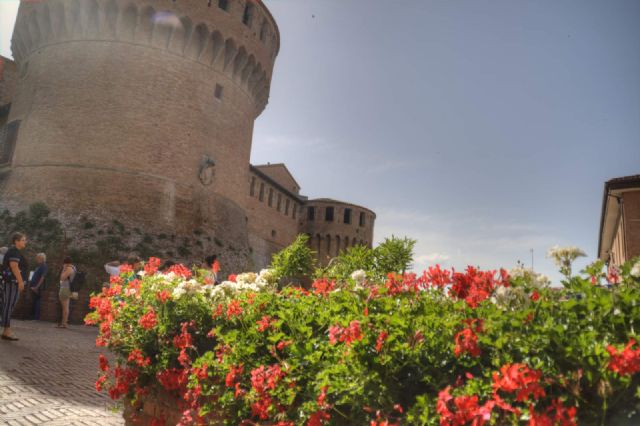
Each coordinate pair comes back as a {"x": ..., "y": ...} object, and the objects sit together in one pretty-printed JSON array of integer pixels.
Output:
[{"x": 136, "y": 215}]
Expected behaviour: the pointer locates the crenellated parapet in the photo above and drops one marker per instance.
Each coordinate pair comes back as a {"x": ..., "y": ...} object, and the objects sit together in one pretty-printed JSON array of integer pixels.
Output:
[{"x": 235, "y": 37}]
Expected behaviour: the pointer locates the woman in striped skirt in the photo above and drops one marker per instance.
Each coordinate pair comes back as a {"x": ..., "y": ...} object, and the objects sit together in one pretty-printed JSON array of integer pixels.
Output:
[{"x": 12, "y": 274}]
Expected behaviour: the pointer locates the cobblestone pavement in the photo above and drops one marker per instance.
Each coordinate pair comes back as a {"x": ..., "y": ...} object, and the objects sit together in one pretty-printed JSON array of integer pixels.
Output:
[{"x": 48, "y": 376}]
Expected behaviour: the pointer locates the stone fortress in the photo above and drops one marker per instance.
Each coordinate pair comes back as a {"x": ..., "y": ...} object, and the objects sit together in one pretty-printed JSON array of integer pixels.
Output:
[{"x": 142, "y": 111}]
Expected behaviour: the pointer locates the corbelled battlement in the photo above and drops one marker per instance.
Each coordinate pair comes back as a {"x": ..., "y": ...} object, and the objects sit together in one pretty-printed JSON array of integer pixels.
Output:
[{"x": 237, "y": 38}]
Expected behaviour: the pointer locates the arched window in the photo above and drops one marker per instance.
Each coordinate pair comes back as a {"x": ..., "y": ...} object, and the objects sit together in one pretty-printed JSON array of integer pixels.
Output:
[
  {"x": 252, "y": 192},
  {"x": 279, "y": 203},
  {"x": 286, "y": 207},
  {"x": 247, "y": 16},
  {"x": 263, "y": 30},
  {"x": 261, "y": 195},
  {"x": 294, "y": 208},
  {"x": 337, "y": 245},
  {"x": 361, "y": 218},
  {"x": 311, "y": 213},
  {"x": 270, "y": 197},
  {"x": 328, "y": 245},
  {"x": 318, "y": 244}
]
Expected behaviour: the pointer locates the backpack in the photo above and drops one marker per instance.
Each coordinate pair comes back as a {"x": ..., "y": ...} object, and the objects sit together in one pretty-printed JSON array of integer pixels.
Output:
[{"x": 77, "y": 282}]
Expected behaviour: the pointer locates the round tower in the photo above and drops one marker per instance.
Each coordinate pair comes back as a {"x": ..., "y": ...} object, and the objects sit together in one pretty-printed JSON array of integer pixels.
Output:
[
  {"x": 333, "y": 226},
  {"x": 140, "y": 110}
]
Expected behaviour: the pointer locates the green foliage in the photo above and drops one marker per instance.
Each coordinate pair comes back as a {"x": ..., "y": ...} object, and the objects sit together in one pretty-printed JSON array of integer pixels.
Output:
[
  {"x": 352, "y": 259},
  {"x": 294, "y": 261},
  {"x": 394, "y": 254},
  {"x": 382, "y": 352}
]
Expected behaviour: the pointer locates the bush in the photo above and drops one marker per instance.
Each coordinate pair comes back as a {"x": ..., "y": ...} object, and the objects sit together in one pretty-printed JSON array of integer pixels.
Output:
[
  {"x": 295, "y": 261},
  {"x": 444, "y": 347}
]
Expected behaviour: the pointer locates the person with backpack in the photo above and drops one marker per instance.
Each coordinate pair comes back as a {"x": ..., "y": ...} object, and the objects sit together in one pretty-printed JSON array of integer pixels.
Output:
[
  {"x": 13, "y": 273},
  {"x": 67, "y": 276}
]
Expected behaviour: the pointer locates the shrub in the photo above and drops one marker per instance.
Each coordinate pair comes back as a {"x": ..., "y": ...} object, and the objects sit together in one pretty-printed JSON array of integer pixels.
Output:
[
  {"x": 443, "y": 347},
  {"x": 295, "y": 261}
]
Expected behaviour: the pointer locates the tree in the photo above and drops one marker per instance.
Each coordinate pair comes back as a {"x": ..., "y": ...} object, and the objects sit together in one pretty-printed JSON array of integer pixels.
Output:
[
  {"x": 295, "y": 261},
  {"x": 394, "y": 255}
]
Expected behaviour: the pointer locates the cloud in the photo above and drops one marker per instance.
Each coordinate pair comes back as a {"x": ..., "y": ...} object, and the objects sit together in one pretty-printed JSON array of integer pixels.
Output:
[
  {"x": 469, "y": 237},
  {"x": 284, "y": 142},
  {"x": 432, "y": 258},
  {"x": 8, "y": 12}
]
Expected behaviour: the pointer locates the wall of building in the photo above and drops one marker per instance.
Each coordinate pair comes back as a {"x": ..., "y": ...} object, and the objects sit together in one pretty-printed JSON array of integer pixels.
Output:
[
  {"x": 281, "y": 175},
  {"x": 273, "y": 215},
  {"x": 631, "y": 200},
  {"x": 618, "y": 253},
  {"x": 8, "y": 80},
  {"x": 329, "y": 237},
  {"x": 138, "y": 129},
  {"x": 141, "y": 112}
]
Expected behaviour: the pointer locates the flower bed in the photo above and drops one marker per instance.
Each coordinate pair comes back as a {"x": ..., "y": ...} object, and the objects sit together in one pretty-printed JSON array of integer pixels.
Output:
[{"x": 444, "y": 347}]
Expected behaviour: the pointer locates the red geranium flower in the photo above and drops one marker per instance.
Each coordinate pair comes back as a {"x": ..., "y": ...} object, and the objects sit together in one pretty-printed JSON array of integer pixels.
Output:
[
  {"x": 625, "y": 362},
  {"x": 148, "y": 320}
]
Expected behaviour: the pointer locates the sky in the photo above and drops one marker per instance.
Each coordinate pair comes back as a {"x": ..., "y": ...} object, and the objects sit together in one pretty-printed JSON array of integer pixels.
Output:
[{"x": 482, "y": 129}]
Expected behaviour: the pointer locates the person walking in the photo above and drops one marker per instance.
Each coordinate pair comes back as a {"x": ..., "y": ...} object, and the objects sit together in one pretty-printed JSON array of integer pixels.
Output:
[
  {"x": 12, "y": 274},
  {"x": 36, "y": 284},
  {"x": 67, "y": 275}
]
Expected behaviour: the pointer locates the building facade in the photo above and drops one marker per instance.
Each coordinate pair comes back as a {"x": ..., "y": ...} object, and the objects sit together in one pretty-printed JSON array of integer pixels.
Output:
[
  {"x": 142, "y": 111},
  {"x": 619, "y": 238}
]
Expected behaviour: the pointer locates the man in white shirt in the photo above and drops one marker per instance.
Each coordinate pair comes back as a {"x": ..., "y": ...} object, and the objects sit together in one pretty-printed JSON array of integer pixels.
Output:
[{"x": 112, "y": 268}]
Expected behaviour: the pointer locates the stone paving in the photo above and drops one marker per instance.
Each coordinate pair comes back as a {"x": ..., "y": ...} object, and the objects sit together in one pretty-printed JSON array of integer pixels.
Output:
[{"x": 48, "y": 376}]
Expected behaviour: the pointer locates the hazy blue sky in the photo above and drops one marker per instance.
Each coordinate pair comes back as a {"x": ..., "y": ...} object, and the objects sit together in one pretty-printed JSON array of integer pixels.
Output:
[{"x": 482, "y": 129}]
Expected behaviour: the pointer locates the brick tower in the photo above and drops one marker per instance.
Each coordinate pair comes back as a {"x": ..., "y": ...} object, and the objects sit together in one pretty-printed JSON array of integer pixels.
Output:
[{"x": 139, "y": 110}]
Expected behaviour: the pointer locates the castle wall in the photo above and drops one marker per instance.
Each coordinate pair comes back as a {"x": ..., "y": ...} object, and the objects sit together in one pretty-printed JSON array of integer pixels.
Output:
[
  {"x": 140, "y": 111},
  {"x": 273, "y": 216},
  {"x": 280, "y": 174},
  {"x": 8, "y": 80},
  {"x": 330, "y": 236}
]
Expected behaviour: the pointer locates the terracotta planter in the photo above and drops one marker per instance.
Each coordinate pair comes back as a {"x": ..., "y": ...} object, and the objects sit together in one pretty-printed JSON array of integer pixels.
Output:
[{"x": 159, "y": 404}]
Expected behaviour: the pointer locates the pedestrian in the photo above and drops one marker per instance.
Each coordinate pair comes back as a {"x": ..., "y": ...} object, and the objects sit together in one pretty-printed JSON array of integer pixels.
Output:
[
  {"x": 213, "y": 267},
  {"x": 3, "y": 250},
  {"x": 36, "y": 284},
  {"x": 113, "y": 267},
  {"x": 67, "y": 275},
  {"x": 12, "y": 273}
]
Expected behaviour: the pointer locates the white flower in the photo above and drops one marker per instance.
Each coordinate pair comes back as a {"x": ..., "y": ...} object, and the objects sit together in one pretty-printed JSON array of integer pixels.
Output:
[
  {"x": 246, "y": 278},
  {"x": 529, "y": 277},
  {"x": 359, "y": 276},
  {"x": 560, "y": 255},
  {"x": 178, "y": 292},
  {"x": 635, "y": 271},
  {"x": 267, "y": 275}
]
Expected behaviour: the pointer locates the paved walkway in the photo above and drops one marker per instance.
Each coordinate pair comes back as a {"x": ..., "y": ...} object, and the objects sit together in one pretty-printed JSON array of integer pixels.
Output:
[{"x": 48, "y": 376}]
